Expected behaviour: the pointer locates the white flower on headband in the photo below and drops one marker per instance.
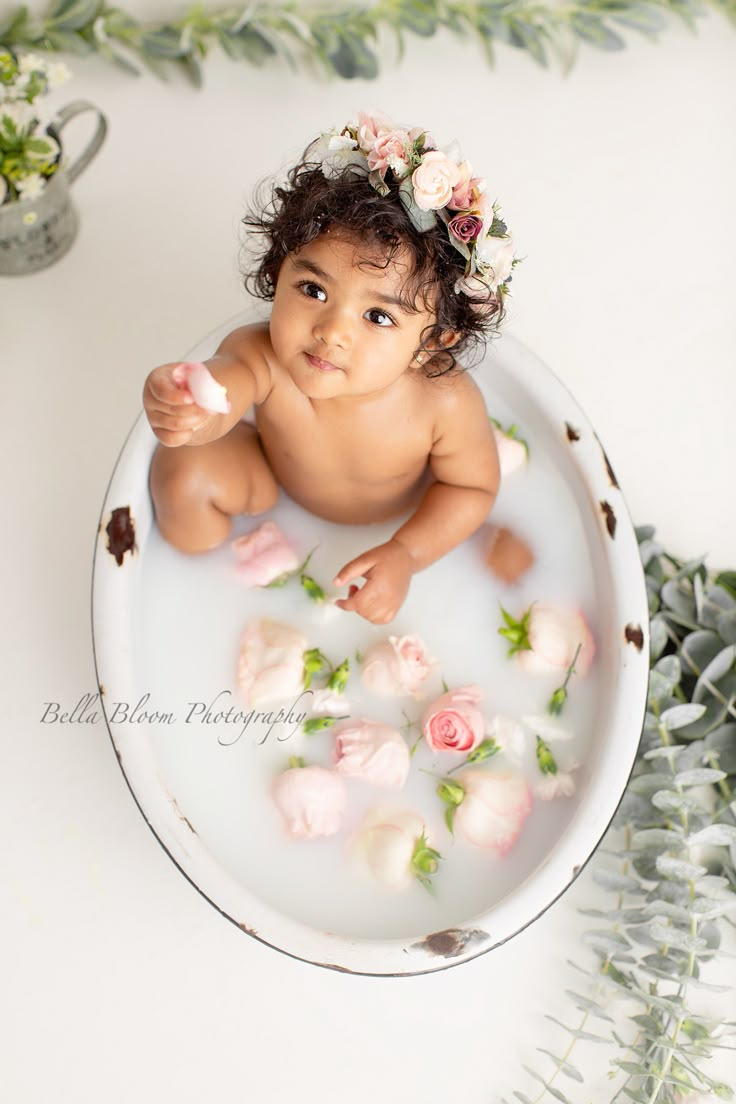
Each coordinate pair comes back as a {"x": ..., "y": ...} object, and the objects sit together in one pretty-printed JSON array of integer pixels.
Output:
[
  {"x": 433, "y": 186},
  {"x": 337, "y": 152}
]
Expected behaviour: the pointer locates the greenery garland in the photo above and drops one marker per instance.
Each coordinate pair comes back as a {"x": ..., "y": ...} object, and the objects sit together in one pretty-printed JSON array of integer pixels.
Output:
[
  {"x": 344, "y": 40},
  {"x": 670, "y": 856}
]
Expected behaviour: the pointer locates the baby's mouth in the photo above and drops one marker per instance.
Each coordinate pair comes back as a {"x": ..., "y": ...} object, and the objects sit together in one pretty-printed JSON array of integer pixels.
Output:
[{"x": 321, "y": 365}]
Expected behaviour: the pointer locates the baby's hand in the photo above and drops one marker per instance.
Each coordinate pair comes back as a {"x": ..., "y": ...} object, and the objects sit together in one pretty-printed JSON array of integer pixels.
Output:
[
  {"x": 170, "y": 408},
  {"x": 388, "y": 570}
]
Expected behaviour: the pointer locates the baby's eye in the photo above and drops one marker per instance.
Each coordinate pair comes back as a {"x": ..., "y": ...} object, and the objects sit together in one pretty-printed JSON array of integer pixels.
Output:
[
  {"x": 379, "y": 317},
  {"x": 313, "y": 291}
]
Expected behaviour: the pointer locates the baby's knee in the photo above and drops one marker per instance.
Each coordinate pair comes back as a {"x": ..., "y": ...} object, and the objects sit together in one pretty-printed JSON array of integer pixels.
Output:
[{"x": 182, "y": 504}]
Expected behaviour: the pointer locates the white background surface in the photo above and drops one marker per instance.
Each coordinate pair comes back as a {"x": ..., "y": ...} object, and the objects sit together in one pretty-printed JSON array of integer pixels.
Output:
[{"x": 120, "y": 982}]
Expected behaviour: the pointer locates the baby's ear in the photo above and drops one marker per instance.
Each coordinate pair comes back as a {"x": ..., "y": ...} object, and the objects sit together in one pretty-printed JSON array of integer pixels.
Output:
[{"x": 446, "y": 340}]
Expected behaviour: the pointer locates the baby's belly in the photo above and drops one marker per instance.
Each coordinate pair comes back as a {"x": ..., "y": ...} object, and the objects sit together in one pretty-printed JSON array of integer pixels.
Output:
[{"x": 354, "y": 499}]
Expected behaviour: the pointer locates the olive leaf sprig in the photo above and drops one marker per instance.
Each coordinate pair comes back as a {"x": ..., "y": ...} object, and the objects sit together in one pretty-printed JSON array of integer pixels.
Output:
[
  {"x": 343, "y": 41},
  {"x": 669, "y": 858}
]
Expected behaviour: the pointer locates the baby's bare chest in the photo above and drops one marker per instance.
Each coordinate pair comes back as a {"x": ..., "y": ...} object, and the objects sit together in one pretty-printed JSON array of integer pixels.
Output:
[{"x": 376, "y": 445}]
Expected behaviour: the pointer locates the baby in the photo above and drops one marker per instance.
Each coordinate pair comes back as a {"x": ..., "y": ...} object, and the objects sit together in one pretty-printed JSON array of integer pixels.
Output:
[{"x": 385, "y": 259}]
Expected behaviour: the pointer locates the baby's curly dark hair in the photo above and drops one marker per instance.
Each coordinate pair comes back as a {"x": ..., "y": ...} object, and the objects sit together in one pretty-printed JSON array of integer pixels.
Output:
[{"x": 295, "y": 213}]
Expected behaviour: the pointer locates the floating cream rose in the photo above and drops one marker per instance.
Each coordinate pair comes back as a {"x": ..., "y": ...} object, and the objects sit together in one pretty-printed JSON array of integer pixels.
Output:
[
  {"x": 488, "y": 808},
  {"x": 271, "y": 662},
  {"x": 549, "y": 638},
  {"x": 394, "y": 844},
  {"x": 371, "y": 751},
  {"x": 397, "y": 667}
]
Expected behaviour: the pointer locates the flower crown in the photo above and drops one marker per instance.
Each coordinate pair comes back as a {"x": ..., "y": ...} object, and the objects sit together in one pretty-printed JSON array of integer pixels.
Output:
[{"x": 432, "y": 185}]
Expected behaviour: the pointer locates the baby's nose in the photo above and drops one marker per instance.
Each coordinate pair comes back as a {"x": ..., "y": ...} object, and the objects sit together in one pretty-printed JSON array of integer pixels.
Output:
[{"x": 333, "y": 328}]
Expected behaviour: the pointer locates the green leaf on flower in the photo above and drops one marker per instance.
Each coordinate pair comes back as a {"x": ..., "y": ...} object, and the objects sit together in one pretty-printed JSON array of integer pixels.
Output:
[
  {"x": 452, "y": 793},
  {"x": 545, "y": 758},
  {"x": 450, "y": 818},
  {"x": 314, "y": 662},
  {"x": 338, "y": 680},
  {"x": 312, "y": 589},
  {"x": 516, "y": 632},
  {"x": 319, "y": 724},
  {"x": 424, "y": 862},
  {"x": 296, "y": 761}
]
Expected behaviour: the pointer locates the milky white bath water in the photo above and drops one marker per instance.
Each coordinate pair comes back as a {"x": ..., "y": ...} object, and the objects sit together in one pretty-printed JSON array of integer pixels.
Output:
[{"x": 188, "y": 623}]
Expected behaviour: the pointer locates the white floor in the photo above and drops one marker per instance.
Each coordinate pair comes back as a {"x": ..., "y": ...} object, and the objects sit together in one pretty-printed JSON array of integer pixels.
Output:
[{"x": 120, "y": 981}]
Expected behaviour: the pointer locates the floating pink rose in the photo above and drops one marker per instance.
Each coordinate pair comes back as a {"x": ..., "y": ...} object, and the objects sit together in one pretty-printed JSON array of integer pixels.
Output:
[
  {"x": 512, "y": 451},
  {"x": 394, "y": 844},
  {"x": 271, "y": 662},
  {"x": 454, "y": 722},
  {"x": 264, "y": 554},
  {"x": 390, "y": 151},
  {"x": 433, "y": 181},
  {"x": 371, "y": 751},
  {"x": 397, "y": 667},
  {"x": 493, "y": 808},
  {"x": 202, "y": 386},
  {"x": 554, "y": 634},
  {"x": 311, "y": 800},
  {"x": 465, "y": 228}
]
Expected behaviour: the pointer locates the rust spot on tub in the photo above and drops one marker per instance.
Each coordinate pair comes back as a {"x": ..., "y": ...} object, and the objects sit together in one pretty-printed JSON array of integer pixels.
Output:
[
  {"x": 576, "y": 870},
  {"x": 103, "y": 691},
  {"x": 452, "y": 942},
  {"x": 634, "y": 636},
  {"x": 332, "y": 966},
  {"x": 611, "y": 475},
  {"x": 572, "y": 433},
  {"x": 610, "y": 518},
  {"x": 181, "y": 816},
  {"x": 120, "y": 531}
]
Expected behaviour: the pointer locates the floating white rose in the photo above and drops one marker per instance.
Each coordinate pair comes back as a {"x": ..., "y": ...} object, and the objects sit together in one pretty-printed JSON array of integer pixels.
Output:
[
  {"x": 550, "y": 638},
  {"x": 264, "y": 555},
  {"x": 487, "y": 807},
  {"x": 395, "y": 846},
  {"x": 397, "y": 667},
  {"x": 271, "y": 662},
  {"x": 371, "y": 751}
]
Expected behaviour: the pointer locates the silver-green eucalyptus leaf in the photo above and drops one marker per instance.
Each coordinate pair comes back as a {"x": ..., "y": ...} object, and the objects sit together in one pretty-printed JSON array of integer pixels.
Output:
[
  {"x": 680, "y": 716},
  {"x": 679, "y": 869}
]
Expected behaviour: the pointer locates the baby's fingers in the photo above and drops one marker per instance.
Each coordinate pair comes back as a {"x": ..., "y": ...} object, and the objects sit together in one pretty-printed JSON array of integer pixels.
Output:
[{"x": 162, "y": 386}]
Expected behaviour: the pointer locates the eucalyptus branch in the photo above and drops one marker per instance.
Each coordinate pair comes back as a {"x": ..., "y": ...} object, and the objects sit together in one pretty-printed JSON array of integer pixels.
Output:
[
  {"x": 670, "y": 906},
  {"x": 343, "y": 42}
]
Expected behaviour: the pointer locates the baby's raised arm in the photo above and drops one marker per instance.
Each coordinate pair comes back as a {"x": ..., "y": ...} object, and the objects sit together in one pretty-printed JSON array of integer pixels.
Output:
[
  {"x": 240, "y": 365},
  {"x": 464, "y": 463}
]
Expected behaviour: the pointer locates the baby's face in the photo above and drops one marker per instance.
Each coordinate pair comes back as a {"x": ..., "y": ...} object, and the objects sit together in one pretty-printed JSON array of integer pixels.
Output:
[{"x": 339, "y": 329}]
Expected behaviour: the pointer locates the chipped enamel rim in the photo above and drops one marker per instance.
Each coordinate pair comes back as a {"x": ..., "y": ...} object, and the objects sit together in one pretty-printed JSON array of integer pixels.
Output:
[{"x": 114, "y": 585}]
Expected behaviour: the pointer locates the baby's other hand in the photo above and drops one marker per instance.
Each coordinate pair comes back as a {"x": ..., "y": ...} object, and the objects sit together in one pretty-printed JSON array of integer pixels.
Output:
[
  {"x": 388, "y": 569},
  {"x": 172, "y": 412},
  {"x": 508, "y": 556}
]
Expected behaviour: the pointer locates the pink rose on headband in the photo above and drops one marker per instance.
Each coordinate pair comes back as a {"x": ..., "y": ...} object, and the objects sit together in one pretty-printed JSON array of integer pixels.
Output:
[
  {"x": 495, "y": 254},
  {"x": 465, "y": 228},
  {"x": 389, "y": 151},
  {"x": 371, "y": 124},
  {"x": 371, "y": 751},
  {"x": 311, "y": 800},
  {"x": 397, "y": 667},
  {"x": 434, "y": 181},
  {"x": 454, "y": 722},
  {"x": 482, "y": 296},
  {"x": 468, "y": 189},
  {"x": 264, "y": 554}
]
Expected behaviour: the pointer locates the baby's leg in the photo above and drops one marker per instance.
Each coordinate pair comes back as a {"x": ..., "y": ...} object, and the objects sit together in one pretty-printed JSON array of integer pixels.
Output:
[{"x": 197, "y": 489}]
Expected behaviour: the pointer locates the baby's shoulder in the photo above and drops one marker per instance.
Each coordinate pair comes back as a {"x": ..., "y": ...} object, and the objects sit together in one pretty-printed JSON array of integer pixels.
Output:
[
  {"x": 453, "y": 395},
  {"x": 250, "y": 346}
]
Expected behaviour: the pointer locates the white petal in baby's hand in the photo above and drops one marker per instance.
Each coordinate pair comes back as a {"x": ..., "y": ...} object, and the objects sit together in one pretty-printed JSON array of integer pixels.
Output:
[{"x": 203, "y": 387}]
